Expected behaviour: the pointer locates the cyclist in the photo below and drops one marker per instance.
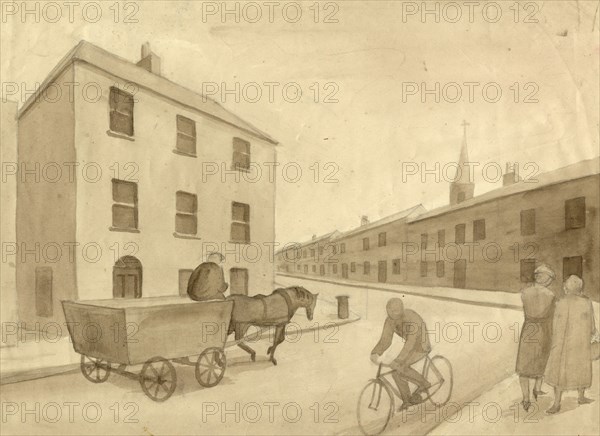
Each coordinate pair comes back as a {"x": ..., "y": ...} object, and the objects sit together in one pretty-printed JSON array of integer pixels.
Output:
[{"x": 410, "y": 326}]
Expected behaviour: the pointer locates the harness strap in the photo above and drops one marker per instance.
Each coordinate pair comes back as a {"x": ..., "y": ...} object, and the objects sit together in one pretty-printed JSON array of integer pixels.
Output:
[{"x": 288, "y": 301}]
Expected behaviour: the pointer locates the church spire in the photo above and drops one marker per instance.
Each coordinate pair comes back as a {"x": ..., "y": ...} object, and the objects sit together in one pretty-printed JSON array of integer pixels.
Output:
[{"x": 462, "y": 188}]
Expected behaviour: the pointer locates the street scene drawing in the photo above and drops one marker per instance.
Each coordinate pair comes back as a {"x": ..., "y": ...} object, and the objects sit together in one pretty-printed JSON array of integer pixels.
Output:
[{"x": 304, "y": 218}]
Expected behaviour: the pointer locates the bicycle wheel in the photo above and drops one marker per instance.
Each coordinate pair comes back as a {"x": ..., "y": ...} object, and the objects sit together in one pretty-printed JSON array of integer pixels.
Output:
[
  {"x": 438, "y": 372},
  {"x": 375, "y": 407}
]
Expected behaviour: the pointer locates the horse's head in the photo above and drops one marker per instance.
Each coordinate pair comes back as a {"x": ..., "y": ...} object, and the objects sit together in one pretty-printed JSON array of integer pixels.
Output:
[{"x": 307, "y": 300}]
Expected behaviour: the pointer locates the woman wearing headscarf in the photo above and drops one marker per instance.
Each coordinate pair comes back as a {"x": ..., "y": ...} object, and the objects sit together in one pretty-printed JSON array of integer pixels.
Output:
[
  {"x": 570, "y": 363},
  {"x": 536, "y": 334}
]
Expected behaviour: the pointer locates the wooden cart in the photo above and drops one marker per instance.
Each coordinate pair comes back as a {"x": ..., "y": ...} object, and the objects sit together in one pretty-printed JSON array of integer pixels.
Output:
[{"x": 113, "y": 334}]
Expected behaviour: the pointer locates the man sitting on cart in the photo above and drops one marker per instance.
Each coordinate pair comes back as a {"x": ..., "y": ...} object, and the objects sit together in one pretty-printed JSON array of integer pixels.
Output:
[
  {"x": 207, "y": 282},
  {"x": 410, "y": 326}
]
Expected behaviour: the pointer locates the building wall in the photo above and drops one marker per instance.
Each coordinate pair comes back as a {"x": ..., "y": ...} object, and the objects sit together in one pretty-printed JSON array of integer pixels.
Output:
[
  {"x": 160, "y": 173},
  {"x": 45, "y": 219},
  {"x": 492, "y": 263},
  {"x": 8, "y": 196}
]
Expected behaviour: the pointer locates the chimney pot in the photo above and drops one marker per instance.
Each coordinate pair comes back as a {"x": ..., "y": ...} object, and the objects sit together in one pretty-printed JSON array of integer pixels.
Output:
[
  {"x": 364, "y": 220},
  {"x": 150, "y": 61}
]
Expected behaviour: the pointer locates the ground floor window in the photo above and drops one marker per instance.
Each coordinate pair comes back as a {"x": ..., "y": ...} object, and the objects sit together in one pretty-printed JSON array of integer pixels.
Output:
[
  {"x": 238, "y": 281},
  {"x": 572, "y": 266},
  {"x": 527, "y": 270}
]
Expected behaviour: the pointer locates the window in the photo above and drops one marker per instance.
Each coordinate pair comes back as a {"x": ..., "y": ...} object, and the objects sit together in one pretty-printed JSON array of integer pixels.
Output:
[
  {"x": 395, "y": 266},
  {"x": 365, "y": 243},
  {"x": 527, "y": 270},
  {"x": 333, "y": 249},
  {"x": 322, "y": 270},
  {"x": 121, "y": 111},
  {"x": 423, "y": 266},
  {"x": 382, "y": 239},
  {"x": 241, "y": 154},
  {"x": 124, "y": 209},
  {"x": 342, "y": 248},
  {"x": 441, "y": 238},
  {"x": 186, "y": 219},
  {"x": 184, "y": 278},
  {"x": 478, "y": 230},
  {"x": 440, "y": 267},
  {"x": 423, "y": 241},
  {"x": 334, "y": 268},
  {"x": 304, "y": 254},
  {"x": 240, "y": 226},
  {"x": 298, "y": 267},
  {"x": 43, "y": 291},
  {"x": 238, "y": 279},
  {"x": 528, "y": 222},
  {"x": 312, "y": 253},
  {"x": 186, "y": 135},
  {"x": 305, "y": 269},
  {"x": 572, "y": 266},
  {"x": 314, "y": 268},
  {"x": 461, "y": 197},
  {"x": 459, "y": 233},
  {"x": 353, "y": 267},
  {"x": 575, "y": 213},
  {"x": 320, "y": 251},
  {"x": 366, "y": 268}
]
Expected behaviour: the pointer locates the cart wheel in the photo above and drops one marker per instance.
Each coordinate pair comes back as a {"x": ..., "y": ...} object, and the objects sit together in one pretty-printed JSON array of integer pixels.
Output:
[
  {"x": 210, "y": 367},
  {"x": 158, "y": 379},
  {"x": 95, "y": 370}
]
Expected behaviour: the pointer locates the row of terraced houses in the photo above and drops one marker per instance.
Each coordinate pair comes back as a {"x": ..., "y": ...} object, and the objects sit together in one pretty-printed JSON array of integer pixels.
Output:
[{"x": 488, "y": 242}]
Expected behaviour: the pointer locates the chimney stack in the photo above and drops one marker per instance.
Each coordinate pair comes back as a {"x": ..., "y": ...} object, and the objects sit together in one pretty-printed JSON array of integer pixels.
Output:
[
  {"x": 150, "y": 61},
  {"x": 511, "y": 175},
  {"x": 364, "y": 220},
  {"x": 314, "y": 237}
]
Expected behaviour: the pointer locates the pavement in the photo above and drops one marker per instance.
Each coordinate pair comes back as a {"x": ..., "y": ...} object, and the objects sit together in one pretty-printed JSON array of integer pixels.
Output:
[{"x": 39, "y": 354}]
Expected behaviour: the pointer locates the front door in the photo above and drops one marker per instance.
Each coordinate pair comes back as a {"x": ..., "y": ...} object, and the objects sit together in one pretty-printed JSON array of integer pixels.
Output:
[
  {"x": 460, "y": 273},
  {"x": 382, "y": 271},
  {"x": 127, "y": 278},
  {"x": 344, "y": 270}
]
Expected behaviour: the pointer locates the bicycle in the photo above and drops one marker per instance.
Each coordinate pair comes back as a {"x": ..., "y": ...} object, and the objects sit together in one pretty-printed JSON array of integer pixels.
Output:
[{"x": 375, "y": 411}]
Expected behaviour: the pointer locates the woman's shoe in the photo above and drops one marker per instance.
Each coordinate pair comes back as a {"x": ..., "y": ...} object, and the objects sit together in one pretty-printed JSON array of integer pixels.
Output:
[
  {"x": 553, "y": 410},
  {"x": 537, "y": 393},
  {"x": 584, "y": 400},
  {"x": 526, "y": 405}
]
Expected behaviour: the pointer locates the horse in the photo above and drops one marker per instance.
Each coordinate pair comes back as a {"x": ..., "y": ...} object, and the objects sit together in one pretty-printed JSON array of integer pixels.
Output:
[{"x": 276, "y": 310}]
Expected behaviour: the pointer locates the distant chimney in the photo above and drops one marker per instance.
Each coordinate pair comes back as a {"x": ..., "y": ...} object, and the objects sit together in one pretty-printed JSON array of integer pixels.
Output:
[
  {"x": 150, "y": 61},
  {"x": 511, "y": 175},
  {"x": 314, "y": 237},
  {"x": 364, "y": 220}
]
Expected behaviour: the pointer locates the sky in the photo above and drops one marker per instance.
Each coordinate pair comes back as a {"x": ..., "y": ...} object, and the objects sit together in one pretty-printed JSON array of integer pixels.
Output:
[{"x": 362, "y": 119}]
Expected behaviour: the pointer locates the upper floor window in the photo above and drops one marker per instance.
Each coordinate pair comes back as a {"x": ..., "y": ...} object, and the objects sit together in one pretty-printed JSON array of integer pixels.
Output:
[
  {"x": 186, "y": 135},
  {"x": 186, "y": 217},
  {"x": 382, "y": 239},
  {"x": 441, "y": 238},
  {"x": 366, "y": 267},
  {"x": 459, "y": 233},
  {"x": 353, "y": 267},
  {"x": 312, "y": 253},
  {"x": 365, "y": 243},
  {"x": 240, "y": 222},
  {"x": 342, "y": 247},
  {"x": 121, "y": 111},
  {"x": 241, "y": 154},
  {"x": 395, "y": 266},
  {"x": 528, "y": 222},
  {"x": 320, "y": 250},
  {"x": 125, "y": 206},
  {"x": 423, "y": 241},
  {"x": 575, "y": 213},
  {"x": 478, "y": 230}
]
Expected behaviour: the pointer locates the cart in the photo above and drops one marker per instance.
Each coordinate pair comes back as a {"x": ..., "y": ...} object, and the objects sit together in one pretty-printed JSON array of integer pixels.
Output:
[{"x": 113, "y": 334}]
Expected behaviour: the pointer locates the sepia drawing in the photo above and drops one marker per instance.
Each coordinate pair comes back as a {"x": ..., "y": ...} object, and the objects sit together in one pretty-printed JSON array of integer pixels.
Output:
[{"x": 300, "y": 217}]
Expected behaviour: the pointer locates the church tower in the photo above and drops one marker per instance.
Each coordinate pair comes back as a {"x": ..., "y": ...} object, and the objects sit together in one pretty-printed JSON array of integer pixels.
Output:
[{"x": 462, "y": 188}]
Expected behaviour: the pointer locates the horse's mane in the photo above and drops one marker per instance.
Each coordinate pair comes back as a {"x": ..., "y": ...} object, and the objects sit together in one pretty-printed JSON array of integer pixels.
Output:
[{"x": 302, "y": 293}]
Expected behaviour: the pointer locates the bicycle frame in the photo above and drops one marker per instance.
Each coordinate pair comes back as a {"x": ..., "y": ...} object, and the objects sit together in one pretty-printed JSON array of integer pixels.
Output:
[{"x": 427, "y": 364}]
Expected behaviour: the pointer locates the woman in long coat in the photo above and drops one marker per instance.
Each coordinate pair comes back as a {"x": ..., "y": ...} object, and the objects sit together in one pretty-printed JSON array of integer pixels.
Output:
[
  {"x": 536, "y": 334},
  {"x": 570, "y": 363}
]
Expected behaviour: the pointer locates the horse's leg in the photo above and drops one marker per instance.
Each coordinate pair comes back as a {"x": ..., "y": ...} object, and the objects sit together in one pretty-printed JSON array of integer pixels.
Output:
[
  {"x": 240, "y": 332},
  {"x": 278, "y": 339}
]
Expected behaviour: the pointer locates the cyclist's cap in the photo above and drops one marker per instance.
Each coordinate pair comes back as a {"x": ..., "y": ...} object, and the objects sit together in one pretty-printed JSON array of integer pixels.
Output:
[{"x": 395, "y": 308}]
